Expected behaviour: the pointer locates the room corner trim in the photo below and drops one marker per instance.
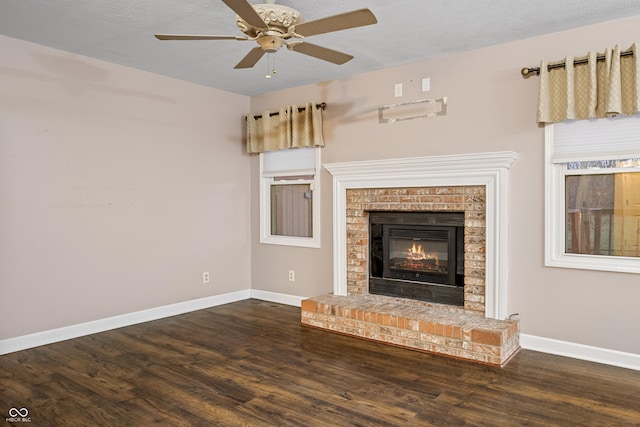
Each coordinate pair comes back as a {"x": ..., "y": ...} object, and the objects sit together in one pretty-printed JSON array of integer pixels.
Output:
[
  {"x": 581, "y": 351},
  {"x": 285, "y": 299}
]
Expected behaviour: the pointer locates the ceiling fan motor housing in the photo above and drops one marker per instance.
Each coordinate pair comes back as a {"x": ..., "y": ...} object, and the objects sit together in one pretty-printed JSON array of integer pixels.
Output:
[{"x": 278, "y": 18}]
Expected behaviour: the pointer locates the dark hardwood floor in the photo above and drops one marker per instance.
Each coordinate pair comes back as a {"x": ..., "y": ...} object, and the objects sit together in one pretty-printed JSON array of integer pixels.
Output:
[{"x": 252, "y": 363}]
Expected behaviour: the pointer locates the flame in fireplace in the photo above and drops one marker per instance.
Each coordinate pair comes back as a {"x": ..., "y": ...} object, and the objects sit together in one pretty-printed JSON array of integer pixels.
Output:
[{"x": 417, "y": 253}]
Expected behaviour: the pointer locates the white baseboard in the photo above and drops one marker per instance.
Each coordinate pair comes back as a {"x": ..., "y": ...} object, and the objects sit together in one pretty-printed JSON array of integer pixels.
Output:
[
  {"x": 580, "y": 351},
  {"x": 277, "y": 297},
  {"x": 529, "y": 342},
  {"x": 60, "y": 334}
]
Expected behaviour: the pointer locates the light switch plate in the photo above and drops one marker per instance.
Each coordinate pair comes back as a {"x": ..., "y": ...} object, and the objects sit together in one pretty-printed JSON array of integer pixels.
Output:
[
  {"x": 426, "y": 84},
  {"x": 398, "y": 90}
]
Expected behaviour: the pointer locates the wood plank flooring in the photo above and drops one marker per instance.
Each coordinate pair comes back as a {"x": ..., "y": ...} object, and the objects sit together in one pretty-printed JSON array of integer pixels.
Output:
[{"x": 251, "y": 363}]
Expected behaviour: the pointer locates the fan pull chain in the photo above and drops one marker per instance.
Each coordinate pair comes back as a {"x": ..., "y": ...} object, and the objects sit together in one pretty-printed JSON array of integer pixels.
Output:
[
  {"x": 268, "y": 76},
  {"x": 270, "y": 69}
]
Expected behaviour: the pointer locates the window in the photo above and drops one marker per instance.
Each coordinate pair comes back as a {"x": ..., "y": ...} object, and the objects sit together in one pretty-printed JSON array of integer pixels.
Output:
[
  {"x": 593, "y": 194},
  {"x": 289, "y": 197}
]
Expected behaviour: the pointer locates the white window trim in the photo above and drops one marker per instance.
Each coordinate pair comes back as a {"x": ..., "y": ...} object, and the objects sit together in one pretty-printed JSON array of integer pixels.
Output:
[
  {"x": 265, "y": 207},
  {"x": 555, "y": 230}
]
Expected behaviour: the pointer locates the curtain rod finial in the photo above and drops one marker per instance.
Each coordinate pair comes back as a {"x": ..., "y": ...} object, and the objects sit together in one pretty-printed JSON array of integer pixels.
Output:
[{"x": 526, "y": 72}]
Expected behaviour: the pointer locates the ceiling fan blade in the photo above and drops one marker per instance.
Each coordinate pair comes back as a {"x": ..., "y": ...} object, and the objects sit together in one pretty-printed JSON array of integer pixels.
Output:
[
  {"x": 251, "y": 58},
  {"x": 321, "y": 53},
  {"x": 343, "y": 21},
  {"x": 246, "y": 12},
  {"x": 197, "y": 37}
]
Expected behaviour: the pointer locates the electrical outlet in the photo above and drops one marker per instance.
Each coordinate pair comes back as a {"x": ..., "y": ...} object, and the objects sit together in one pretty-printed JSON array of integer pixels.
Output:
[
  {"x": 205, "y": 277},
  {"x": 292, "y": 276}
]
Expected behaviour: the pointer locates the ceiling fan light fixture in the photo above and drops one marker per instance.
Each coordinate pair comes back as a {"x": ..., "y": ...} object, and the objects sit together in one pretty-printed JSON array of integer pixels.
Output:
[{"x": 270, "y": 43}]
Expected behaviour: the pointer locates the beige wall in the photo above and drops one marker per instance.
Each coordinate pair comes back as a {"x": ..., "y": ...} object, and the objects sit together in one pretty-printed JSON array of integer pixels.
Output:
[
  {"x": 491, "y": 108},
  {"x": 111, "y": 181},
  {"x": 118, "y": 189}
]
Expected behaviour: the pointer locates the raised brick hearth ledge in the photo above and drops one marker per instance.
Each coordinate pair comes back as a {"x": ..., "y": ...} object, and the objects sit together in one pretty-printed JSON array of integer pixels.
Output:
[{"x": 423, "y": 326}]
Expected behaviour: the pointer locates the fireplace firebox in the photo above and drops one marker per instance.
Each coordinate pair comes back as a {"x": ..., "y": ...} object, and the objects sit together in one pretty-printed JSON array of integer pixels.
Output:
[{"x": 417, "y": 255}]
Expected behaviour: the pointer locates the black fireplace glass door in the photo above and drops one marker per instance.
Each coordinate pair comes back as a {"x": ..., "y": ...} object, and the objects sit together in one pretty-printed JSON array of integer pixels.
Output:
[
  {"x": 419, "y": 253},
  {"x": 410, "y": 254}
]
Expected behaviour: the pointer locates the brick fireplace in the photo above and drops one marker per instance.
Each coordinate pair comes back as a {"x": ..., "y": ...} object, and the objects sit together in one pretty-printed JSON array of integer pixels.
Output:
[
  {"x": 467, "y": 199},
  {"x": 473, "y": 184}
]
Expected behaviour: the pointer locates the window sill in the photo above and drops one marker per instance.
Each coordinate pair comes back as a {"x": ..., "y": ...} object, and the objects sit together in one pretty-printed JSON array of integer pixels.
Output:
[
  {"x": 303, "y": 242},
  {"x": 595, "y": 262}
]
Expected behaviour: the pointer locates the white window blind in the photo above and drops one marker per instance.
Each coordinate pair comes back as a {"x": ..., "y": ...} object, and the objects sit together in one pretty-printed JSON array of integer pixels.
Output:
[
  {"x": 600, "y": 139},
  {"x": 290, "y": 197},
  {"x": 291, "y": 161}
]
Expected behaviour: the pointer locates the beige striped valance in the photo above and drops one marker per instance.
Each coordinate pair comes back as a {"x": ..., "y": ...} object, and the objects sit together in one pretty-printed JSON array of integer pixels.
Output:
[
  {"x": 293, "y": 126},
  {"x": 592, "y": 89}
]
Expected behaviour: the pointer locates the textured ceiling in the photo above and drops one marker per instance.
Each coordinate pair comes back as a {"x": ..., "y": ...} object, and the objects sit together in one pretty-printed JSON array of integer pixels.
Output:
[{"x": 121, "y": 31}]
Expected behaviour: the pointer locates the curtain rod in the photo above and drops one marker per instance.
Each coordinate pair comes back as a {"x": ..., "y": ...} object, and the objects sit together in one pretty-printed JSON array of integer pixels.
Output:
[
  {"x": 322, "y": 105},
  {"x": 527, "y": 71}
]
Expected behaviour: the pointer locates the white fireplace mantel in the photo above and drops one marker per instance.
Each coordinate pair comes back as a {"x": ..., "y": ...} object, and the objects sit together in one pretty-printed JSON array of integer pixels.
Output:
[{"x": 488, "y": 169}]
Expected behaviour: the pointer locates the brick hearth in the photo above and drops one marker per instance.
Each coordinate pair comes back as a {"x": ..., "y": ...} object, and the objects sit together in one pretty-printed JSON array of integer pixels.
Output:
[{"x": 418, "y": 325}]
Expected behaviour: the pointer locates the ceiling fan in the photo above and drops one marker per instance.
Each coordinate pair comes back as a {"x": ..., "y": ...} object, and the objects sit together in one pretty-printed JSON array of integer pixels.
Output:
[{"x": 272, "y": 26}]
